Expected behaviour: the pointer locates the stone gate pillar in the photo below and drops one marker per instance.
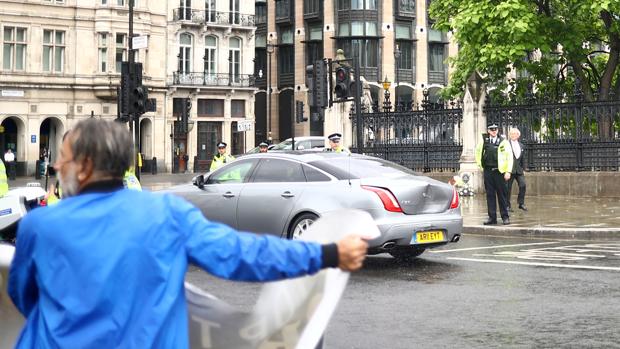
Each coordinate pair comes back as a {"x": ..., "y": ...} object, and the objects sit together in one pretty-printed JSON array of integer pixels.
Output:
[{"x": 474, "y": 124}]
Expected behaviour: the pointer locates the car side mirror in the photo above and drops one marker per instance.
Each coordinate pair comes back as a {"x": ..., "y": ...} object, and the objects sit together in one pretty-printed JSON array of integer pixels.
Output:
[{"x": 199, "y": 181}]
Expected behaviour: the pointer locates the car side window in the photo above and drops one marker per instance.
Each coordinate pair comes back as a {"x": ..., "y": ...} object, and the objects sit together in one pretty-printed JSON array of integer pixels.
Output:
[
  {"x": 278, "y": 170},
  {"x": 318, "y": 143},
  {"x": 237, "y": 172},
  {"x": 313, "y": 175}
]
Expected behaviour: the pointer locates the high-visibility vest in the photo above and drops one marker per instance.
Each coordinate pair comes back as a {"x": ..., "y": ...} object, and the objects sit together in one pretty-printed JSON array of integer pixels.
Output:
[
  {"x": 504, "y": 155},
  {"x": 55, "y": 196},
  {"x": 220, "y": 160},
  {"x": 4, "y": 184},
  {"x": 130, "y": 181},
  {"x": 341, "y": 149}
]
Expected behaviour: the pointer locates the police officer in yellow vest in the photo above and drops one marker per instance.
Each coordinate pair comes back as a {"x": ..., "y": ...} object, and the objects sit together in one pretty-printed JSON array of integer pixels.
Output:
[
  {"x": 221, "y": 158},
  {"x": 335, "y": 145},
  {"x": 131, "y": 181},
  {"x": 4, "y": 184},
  {"x": 494, "y": 156}
]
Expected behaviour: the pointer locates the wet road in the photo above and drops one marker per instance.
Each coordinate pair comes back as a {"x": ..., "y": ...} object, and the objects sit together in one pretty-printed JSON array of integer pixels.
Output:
[{"x": 484, "y": 292}]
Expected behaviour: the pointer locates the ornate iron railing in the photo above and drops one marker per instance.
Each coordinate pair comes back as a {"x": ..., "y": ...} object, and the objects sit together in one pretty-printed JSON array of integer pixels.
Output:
[
  {"x": 207, "y": 79},
  {"x": 422, "y": 137},
  {"x": 213, "y": 17},
  {"x": 563, "y": 135}
]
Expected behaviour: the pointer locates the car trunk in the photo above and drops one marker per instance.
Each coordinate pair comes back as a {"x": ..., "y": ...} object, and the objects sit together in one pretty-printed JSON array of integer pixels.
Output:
[{"x": 416, "y": 194}]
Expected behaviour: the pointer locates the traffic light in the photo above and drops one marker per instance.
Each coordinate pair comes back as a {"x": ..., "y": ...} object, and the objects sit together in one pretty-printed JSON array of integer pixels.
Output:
[
  {"x": 185, "y": 115},
  {"x": 123, "y": 96},
  {"x": 310, "y": 83},
  {"x": 320, "y": 84},
  {"x": 343, "y": 81},
  {"x": 140, "y": 98},
  {"x": 299, "y": 112}
]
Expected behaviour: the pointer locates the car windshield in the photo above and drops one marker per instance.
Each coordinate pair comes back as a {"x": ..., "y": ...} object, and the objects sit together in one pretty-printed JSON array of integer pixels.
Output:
[
  {"x": 351, "y": 168},
  {"x": 285, "y": 145}
]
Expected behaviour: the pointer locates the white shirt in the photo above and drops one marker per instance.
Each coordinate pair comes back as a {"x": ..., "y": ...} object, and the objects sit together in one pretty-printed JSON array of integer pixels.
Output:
[
  {"x": 516, "y": 148},
  {"x": 9, "y": 157}
]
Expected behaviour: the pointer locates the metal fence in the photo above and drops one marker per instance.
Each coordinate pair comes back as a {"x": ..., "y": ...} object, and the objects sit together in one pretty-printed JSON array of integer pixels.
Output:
[
  {"x": 567, "y": 135},
  {"x": 213, "y": 79},
  {"x": 424, "y": 137}
]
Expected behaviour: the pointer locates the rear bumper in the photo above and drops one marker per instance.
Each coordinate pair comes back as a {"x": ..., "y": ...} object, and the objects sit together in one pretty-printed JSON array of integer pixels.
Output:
[{"x": 398, "y": 232}]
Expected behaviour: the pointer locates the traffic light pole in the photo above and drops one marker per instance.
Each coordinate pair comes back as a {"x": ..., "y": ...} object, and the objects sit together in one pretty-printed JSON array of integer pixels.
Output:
[
  {"x": 135, "y": 117},
  {"x": 358, "y": 106}
]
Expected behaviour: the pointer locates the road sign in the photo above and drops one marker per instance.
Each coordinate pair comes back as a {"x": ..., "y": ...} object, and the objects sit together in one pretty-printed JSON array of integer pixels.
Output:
[
  {"x": 140, "y": 42},
  {"x": 245, "y": 125}
]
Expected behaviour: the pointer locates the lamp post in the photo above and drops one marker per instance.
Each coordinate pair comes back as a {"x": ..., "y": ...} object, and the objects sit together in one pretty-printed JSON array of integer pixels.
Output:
[
  {"x": 397, "y": 59},
  {"x": 386, "y": 95},
  {"x": 270, "y": 50}
]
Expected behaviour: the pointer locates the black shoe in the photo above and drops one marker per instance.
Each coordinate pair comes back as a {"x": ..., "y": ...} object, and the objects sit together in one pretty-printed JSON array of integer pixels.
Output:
[
  {"x": 506, "y": 221},
  {"x": 523, "y": 207},
  {"x": 490, "y": 222}
]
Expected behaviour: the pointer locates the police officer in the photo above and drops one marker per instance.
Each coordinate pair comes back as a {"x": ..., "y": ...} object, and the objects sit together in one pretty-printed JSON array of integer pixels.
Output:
[
  {"x": 130, "y": 180},
  {"x": 263, "y": 147},
  {"x": 494, "y": 156},
  {"x": 4, "y": 184},
  {"x": 221, "y": 158},
  {"x": 334, "y": 144},
  {"x": 518, "y": 151}
]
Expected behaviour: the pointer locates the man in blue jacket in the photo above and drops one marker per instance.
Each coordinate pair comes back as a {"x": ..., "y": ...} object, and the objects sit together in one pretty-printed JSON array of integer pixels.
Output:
[{"x": 104, "y": 268}]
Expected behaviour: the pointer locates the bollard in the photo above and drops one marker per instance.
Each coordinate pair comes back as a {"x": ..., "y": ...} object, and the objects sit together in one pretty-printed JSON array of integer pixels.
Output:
[
  {"x": 37, "y": 169},
  {"x": 154, "y": 166}
]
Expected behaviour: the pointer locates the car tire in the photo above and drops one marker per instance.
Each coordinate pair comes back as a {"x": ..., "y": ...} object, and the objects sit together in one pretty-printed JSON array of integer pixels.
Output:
[
  {"x": 407, "y": 254},
  {"x": 301, "y": 224}
]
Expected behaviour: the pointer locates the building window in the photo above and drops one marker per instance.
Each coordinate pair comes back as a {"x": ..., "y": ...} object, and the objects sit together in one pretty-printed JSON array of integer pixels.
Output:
[
  {"x": 286, "y": 57},
  {"x": 357, "y": 28},
  {"x": 104, "y": 2},
  {"x": 14, "y": 49},
  {"x": 311, "y": 7},
  {"x": 211, "y": 107},
  {"x": 234, "y": 58},
  {"x": 404, "y": 42},
  {"x": 103, "y": 52},
  {"x": 210, "y": 56},
  {"x": 357, "y": 4},
  {"x": 237, "y": 108},
  {"x": 406, "y": 6},
  {"x": 121, "y": 50},
  {"x": 234, "y": 12},
  {"x": 185, "y": 53},
  {"x": 261, "y": 13},
  {"x": 436, "y": 64},
  {"x": 260, "y": 56},
  {"x": 283, "y": 9},
  {"x": 53, "y": 50},
  {"x": 366, "y": 49},
  {"x": 185, "y": 10},
  {"x": 314, "y": 43},
  {"x": 210, "y": 10}
]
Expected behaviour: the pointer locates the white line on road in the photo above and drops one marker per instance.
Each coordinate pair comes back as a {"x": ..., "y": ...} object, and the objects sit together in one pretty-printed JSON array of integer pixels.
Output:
[
  {"x": 536, "y": 264},
  {"x": 492, "y": 247}
]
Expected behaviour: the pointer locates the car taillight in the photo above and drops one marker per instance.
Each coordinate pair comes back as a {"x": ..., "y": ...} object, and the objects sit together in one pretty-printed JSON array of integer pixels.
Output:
[
  {"x": 455, "y": 199},
  {"x": 387, "y": 198}
]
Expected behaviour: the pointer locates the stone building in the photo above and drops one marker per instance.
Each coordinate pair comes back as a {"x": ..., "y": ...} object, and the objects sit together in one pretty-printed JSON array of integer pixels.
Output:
[{"x": 393, "y": 39}]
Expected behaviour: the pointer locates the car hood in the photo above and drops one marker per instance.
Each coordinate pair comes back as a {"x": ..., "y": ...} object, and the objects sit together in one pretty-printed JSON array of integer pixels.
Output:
[{"x": 416, "y": 194}]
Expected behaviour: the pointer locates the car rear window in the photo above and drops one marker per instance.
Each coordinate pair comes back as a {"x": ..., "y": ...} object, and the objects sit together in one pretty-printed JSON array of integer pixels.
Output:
[{"x": 353, "y": 168}]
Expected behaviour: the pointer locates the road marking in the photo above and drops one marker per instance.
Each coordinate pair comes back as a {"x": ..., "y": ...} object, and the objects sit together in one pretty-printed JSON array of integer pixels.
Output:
[
  {"x": 492, "y": 247},
  {"x": 591, "y": 267}
]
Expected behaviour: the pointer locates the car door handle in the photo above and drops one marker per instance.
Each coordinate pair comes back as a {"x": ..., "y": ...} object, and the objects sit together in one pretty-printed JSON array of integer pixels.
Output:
[
  {"x": 287, "y": 194},
  {"x": 228, "y": 195}
]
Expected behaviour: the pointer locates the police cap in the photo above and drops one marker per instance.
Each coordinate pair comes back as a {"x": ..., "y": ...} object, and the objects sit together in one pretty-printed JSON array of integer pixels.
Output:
[
  {"x": 334, "y": 137},
  {"x": 221, "y": 145},
  {"x": 263, "y": 145},
  {"x": 492, "y": 125}
]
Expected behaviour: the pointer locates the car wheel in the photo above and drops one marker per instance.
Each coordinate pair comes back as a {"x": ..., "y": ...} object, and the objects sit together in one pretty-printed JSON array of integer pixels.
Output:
[
  {"x": 407, "y": 254},
  {"x": 300, "y": 225}
]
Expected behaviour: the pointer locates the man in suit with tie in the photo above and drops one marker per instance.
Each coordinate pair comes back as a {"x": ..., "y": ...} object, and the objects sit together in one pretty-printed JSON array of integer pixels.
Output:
[{"x": 518, "y": 156}]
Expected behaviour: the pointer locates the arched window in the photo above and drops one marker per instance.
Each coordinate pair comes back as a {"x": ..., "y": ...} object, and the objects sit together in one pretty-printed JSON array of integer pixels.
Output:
[
  {"x": 210, "y": 62},
  {"x": 234, "y": 59},
  {"x": 185, "y": 53}
]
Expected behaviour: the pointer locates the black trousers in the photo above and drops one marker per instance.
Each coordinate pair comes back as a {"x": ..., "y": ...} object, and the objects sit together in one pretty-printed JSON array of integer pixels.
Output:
[
  {"x": 520, "y": 178},
  {"x": 496, "y": 189}
]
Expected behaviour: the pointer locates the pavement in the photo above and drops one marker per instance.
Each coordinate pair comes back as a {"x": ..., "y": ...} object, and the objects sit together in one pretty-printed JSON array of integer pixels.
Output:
[{"x": 547, "y": 216}]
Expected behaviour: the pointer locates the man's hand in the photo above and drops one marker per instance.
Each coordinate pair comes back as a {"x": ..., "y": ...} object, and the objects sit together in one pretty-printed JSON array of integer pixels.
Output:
[
  {"x": 351, "y": 252},
  {"x": 507, "y": 176}
]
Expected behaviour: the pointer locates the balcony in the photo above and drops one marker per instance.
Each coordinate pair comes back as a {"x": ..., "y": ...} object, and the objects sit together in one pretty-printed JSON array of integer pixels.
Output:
[
  {"x": 206, "y": 17},
  {"x": 215, "y": 80}
]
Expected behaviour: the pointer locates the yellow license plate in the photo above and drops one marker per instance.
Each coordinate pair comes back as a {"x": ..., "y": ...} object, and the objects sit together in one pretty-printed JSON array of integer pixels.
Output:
[{"x": 425, "y": 237}]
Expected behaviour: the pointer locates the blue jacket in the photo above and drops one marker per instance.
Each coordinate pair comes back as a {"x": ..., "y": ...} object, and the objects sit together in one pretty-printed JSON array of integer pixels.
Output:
[{"x": 106, "y": 269}]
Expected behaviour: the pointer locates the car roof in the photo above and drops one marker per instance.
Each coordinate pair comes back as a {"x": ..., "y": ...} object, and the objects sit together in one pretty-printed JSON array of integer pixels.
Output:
[
  {"x": 306, "y": 138},
  {"x": 303, "y": 156}
]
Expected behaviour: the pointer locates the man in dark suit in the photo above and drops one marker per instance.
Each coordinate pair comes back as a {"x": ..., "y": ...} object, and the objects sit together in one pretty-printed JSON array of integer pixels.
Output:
[{"x": 518, "y": 156}]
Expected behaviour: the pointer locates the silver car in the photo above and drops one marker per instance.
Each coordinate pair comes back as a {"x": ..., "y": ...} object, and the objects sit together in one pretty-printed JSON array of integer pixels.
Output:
[{"x": 283, "y": 193}]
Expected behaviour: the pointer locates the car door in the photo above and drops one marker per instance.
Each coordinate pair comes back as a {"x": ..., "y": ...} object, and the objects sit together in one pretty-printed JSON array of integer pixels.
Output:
[
  {"x": 267, "y": 200},
  {"x": 219, "y": 197}
]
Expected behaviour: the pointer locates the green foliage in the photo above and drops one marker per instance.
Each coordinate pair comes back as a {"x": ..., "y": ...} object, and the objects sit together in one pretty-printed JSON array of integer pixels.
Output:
[{"x": 495, "y": 35}]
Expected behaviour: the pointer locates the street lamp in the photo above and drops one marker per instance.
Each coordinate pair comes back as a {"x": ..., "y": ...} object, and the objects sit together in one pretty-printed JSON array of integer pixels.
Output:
[
  {"x": 396, "y": 57},
  {"x": 270, "y": 50},
  {"x": 386, "y": 95}
]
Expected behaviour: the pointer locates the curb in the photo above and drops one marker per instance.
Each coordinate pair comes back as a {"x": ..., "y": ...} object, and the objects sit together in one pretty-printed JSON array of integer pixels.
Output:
[{"x": 552, "y": 232}]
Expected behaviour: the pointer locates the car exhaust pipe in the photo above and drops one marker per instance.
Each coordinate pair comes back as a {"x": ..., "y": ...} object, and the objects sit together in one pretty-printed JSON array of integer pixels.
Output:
[
  {"x": 388, "y": 245},
  {"x": 456, "y": 238}
]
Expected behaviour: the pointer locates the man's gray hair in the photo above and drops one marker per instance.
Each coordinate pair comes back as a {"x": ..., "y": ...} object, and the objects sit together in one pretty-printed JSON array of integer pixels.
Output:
[{"x": 107, "y": 143}]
